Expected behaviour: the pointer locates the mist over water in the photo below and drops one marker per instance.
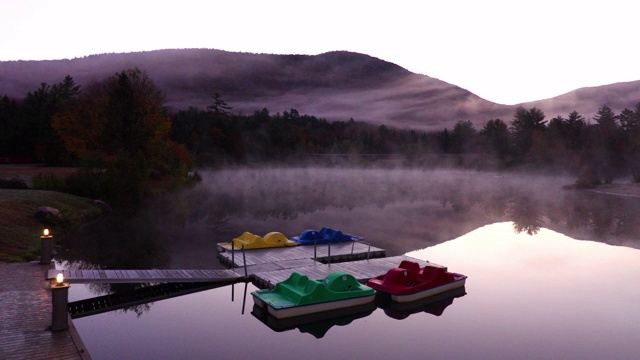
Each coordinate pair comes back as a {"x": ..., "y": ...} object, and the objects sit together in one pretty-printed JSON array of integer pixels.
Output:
[{"x": 399, "y": 210}]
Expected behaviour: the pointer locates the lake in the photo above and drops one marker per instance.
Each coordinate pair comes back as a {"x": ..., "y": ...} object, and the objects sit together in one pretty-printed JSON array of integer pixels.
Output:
[{"x": 552, "y": 272}]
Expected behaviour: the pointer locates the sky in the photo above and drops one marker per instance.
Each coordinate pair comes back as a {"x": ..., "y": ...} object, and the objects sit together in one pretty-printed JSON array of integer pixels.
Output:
[{"x": 507, "y": 52}]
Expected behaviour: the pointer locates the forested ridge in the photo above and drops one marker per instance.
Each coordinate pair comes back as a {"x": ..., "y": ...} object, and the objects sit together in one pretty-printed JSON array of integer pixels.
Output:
[{"x": 122, "y": 120}]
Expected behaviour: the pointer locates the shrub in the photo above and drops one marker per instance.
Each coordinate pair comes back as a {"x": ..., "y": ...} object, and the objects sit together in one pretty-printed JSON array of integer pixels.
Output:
[
  {"x": 13, "y": 183},
  {"x": 48, "y": 181}
]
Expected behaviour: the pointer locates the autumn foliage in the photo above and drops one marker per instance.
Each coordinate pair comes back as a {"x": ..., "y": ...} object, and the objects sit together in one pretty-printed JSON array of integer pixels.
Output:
[{"x": 120, "y": 126}]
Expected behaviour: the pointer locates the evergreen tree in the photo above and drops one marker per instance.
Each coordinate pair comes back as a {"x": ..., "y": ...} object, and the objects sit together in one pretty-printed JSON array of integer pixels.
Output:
[
  {"x": 526, "y": 126},
  {"x": 496, "y": 135},
  {"x": 463, "y": 137}
]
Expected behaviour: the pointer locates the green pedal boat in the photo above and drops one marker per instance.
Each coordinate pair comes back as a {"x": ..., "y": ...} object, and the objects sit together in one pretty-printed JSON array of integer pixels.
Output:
[{"x": 298, "y": 295}]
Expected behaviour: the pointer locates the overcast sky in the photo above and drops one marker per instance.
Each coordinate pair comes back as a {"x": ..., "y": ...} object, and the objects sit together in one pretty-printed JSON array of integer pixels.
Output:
[{"x": 504, "y": 51}]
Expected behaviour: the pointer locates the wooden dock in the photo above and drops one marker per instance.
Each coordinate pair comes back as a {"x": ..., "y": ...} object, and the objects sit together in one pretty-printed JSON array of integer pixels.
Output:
[
  {"x": 145, "y": 276},
  {"x": 264, "y": 268},
  {"x": 362, "y": 270},
  {"x": 324, "y": 253},
  {"x": 25, "y": 319}
]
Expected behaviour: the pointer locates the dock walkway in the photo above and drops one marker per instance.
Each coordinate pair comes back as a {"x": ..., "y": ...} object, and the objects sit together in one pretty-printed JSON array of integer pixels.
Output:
[
  {"x": 362, "y": 270},
  {"x": 25, "y": 319},
  {"x": 145, "y": 276}
]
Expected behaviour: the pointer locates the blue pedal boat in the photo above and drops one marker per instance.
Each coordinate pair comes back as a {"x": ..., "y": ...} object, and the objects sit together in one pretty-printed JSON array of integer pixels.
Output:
[{"x": 324, "y": 236}]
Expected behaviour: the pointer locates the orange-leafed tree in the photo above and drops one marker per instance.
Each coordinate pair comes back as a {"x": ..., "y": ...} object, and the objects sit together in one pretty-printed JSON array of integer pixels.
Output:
[{"x": 121, "y": 125}]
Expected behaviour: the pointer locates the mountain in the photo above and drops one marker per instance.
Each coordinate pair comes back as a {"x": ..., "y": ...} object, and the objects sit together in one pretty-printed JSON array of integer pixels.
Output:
[
  {"x": 334, "y": 85},
  {"x": 587, "y": 100}
]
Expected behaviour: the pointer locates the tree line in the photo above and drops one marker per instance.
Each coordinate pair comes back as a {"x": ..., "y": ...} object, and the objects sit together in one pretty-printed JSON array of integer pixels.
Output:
[
  {"x": 122, "y": 125},
  {"x": 596, "y": 150}
]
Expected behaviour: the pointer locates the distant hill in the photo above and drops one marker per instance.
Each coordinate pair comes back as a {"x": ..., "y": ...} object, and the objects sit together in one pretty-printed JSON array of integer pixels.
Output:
[{"x": 334, "y": 85}]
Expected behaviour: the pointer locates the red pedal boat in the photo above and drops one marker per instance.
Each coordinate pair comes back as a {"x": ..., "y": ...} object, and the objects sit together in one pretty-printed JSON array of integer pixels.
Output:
[{"x": 408, "y": 282}]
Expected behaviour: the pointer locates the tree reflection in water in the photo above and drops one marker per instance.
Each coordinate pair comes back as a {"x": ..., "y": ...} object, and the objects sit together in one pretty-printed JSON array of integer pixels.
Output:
[{"x": 525, "y": 214}]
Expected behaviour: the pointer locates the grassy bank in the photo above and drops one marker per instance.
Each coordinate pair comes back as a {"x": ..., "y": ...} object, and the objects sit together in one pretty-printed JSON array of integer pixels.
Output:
[{"x": 19, "y": 229}]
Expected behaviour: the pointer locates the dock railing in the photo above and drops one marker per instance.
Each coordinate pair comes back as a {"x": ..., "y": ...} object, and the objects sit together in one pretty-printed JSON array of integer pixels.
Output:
[
  {"x": 353, "y": 243},
  {"x": 244, "y": 259},
  {"x": 362, "y": 242}
]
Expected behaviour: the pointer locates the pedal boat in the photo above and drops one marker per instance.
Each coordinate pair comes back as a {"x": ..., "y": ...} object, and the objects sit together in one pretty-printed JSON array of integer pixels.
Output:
[
  {"x": 251, "y": 241},
  {"x": 408, "y": 282},
  {"x": 324, "y": 236},
  {"x": 298, "y": 295}
]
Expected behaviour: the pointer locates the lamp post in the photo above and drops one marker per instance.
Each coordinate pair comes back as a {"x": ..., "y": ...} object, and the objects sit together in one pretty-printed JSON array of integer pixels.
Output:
[
  {"x": 60, "y": 299},
  {"x": 45, "y": 246}
]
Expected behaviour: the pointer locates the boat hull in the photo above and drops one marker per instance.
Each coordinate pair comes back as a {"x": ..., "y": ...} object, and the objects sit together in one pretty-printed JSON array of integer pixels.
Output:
[
  {"x": 405, "y": 298},
  {"x": 316, "y": 324},
  {"x": 303, "y": 310}
]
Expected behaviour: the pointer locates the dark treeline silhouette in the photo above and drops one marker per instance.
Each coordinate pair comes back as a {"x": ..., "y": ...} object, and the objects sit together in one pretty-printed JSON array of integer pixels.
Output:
[
  {"x": 595, "y": 150},
  {"x": 25, "y": 126},
  {"x": 216, "y": 136}
]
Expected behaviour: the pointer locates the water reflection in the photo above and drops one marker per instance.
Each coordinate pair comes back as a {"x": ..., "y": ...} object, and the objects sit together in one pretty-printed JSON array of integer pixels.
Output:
[
  {"x": 434, "y": 305},
  {"x": 543, "y": 296},
  {"x": 315, "y": 324}
]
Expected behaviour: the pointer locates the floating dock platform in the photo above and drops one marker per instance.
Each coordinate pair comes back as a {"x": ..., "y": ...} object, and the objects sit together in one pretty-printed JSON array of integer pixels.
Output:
[
  {"x": 362, "y": 270},
  {"x": 323, "y": 253}
]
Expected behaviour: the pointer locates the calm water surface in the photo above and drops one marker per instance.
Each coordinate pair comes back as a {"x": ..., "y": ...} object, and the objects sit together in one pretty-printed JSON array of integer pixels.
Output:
[{"x": 552, "y": 273}]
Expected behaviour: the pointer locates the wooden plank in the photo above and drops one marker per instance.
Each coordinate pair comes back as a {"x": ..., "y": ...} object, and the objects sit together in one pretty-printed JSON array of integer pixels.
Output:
[
  {"x": 154, "y": 274},
  {"x": 110, "y": 274},
  {"x": 200, "y": 274}
]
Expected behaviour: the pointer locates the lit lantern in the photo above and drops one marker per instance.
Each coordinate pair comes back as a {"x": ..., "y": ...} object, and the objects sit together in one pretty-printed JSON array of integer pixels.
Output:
[
  {"x": 59, "y": 279},
  {"x": 45, "y": 232}
]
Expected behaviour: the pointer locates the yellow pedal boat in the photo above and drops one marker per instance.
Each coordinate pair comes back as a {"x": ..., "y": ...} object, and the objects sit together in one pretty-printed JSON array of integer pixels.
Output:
[{"x": 251, "y": 241}]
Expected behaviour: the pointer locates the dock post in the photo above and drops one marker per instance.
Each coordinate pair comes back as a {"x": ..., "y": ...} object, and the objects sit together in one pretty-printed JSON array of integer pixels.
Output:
[
  {"x": 45, "y": 247},
  {"x": 233, "y": 253},
  {"x": 329, "y": 249},
  {"x": 244, "y": 299},
  {"x": 315, "y": 249},
  {"x": 60, "y": 299},
  {"x": 244, "y": 260}
]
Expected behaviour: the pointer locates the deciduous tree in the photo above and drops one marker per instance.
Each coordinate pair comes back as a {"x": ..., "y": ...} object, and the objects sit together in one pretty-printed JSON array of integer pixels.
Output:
[{"x": 121, "y": 124}]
